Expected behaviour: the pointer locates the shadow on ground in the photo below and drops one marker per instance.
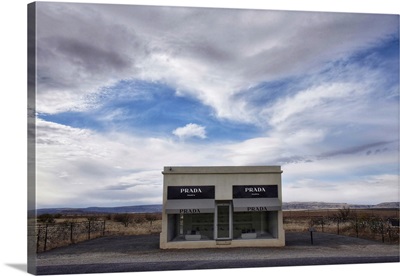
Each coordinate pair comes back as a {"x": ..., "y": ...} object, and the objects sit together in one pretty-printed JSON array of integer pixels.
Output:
[{"x": 20, "y": 267}]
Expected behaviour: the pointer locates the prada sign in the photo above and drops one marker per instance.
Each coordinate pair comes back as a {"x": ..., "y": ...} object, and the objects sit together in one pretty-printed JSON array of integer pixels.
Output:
[
  {"x": 191, "y": 192},
  {"x": 255, "y": 191},
  {"x": 258, "y": 208},
  {"x": 189, "y": 211}
]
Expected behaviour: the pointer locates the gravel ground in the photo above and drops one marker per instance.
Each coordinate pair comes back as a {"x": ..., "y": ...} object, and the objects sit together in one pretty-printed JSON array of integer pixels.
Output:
[{"x": 144, "y": 249}]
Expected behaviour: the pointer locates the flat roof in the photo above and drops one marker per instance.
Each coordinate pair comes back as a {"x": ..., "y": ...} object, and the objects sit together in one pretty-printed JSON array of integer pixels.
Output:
[{"x": 222, "y": 170}]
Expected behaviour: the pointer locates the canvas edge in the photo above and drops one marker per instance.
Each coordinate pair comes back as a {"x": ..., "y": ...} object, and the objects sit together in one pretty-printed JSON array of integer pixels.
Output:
[{"x": 31, "y": 137}]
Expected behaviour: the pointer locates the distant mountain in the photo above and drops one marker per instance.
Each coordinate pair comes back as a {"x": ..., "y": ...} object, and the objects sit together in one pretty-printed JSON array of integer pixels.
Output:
[
  {"x": 327, "y": 205},
  {"x": 101, "y": 210},
  {"x": 388, "y": 205},
  {"x": 157, "y": 208}
]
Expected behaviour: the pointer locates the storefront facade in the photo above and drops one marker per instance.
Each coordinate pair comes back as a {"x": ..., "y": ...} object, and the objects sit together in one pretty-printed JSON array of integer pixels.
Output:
[{"x": 211, "y": 207}]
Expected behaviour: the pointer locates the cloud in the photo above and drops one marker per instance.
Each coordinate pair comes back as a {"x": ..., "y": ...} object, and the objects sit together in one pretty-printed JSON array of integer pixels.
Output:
[
  {"x": 82, "y": 167},
  {"x": 362, "y": 148},
  {"x": 318, "y": 90},
  {"x": 372, "y": 189},
  {"x": 310, "y": 99},
  {"x": 192, "y": 57},
  {"x": 81, "y": 53},
  {"x": 259, "y": 150},
  {"x": 120, "y": 187},
  {"x": 190, "y": 130},
  {"x": 77, "y": 167}
]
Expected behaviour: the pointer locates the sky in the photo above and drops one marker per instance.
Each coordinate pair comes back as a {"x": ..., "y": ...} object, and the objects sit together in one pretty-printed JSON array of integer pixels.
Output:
[{"x": 124, "y": 90}]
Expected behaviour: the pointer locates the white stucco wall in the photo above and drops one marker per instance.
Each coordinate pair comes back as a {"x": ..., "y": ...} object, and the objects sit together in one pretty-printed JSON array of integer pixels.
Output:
[{"x": 223, "y": 178}]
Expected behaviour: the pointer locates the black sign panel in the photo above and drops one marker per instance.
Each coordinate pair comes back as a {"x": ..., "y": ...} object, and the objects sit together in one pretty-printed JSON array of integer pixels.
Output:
[
  {"x": 255, "y": 191},
  {"x": 190, "y": 192}
]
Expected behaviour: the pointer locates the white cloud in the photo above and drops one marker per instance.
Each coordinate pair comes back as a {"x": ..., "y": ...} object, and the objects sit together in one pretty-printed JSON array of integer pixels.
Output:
[
  {"x": 324, "y": 125},
  {"x": 85, "y": 168},
  {"x": 368, "y": 176},
  {"x": 372, "y": 189},
  {"x": 260, "y": 150},
  {"x": 190, "y": 130},
  {"x": 78, "y": 167},
  {"x": 311, "y": 99},
  {"x": 213, "y": 65}
]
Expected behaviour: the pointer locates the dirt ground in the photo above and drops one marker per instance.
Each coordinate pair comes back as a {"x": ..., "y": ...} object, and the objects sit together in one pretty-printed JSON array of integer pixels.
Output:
[{"x": 145, "y": 248}]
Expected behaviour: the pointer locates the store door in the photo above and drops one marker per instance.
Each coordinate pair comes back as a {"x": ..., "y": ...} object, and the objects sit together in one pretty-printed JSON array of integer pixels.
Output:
[{"x": 224, "y": 221}]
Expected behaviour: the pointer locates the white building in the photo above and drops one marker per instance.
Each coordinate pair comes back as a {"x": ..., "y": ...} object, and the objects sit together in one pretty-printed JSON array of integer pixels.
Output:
[{"x": 211, "y": 207}]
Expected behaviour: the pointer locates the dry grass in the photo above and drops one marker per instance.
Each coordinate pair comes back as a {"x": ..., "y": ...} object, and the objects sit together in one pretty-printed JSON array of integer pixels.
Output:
[
  {"x": 369, "y": 224},
  {"x": 117, "y": 228},
  {"x": 67, "y": 230},
  {"x": 59, "y": 232}
]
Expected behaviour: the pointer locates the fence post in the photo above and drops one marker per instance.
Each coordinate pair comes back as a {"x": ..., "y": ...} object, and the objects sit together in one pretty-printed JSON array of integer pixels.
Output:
[
  {"x": 311, "y": 230},
  {"x": 356, "y": 226},
  {"x": 71, "y": 236},
  {"x": 45, "y": 238},
  {"x": 338, "y": 225},
  {"x": 38, "y": 240},
  {"x": 104, "y": 227},
  {"x": 89, "y": 231}
]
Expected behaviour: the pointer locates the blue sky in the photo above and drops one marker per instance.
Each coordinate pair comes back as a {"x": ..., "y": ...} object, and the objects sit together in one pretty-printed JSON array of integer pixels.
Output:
[
  {"x": 124, "y": 90},
  {"x": 150, "y": 109}
]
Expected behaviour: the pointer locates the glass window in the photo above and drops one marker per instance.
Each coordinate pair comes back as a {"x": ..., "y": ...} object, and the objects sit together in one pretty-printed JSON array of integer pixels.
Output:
[
  {"x": 251, "y": 225},
  {"x": 223, "y": 220},
  {"x": 193, "y": 227}
]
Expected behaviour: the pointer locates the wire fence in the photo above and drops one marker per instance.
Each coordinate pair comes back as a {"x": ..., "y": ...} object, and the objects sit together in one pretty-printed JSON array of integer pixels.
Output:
[
  {"x": 52, "y": 231},
  {"x": 52, "y": 235},
  {"x": 379, "y": 225}
]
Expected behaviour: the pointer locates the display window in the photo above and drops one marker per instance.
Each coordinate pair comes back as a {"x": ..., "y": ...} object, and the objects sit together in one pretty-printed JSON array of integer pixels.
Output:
[
  {"x": 192, "y": 227},
  {"x": 223, "y": 224},
  {"x": 253, "y": 225},
  {"x": 201, "y": 225}
]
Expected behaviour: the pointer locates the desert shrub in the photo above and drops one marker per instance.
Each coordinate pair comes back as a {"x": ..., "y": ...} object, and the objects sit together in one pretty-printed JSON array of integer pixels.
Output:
[
  {"x": 125, "y": 219},
  {"x": 152, "y": 217},
  {"x": 344, "y": 213},
  {"x": 92, "y": 218},
  {"x": 46, "y": 218},
  {"x": 57, "y": 216},
  {"x": 319, "y": 221},
  {"x": 139, "y": 218}
]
